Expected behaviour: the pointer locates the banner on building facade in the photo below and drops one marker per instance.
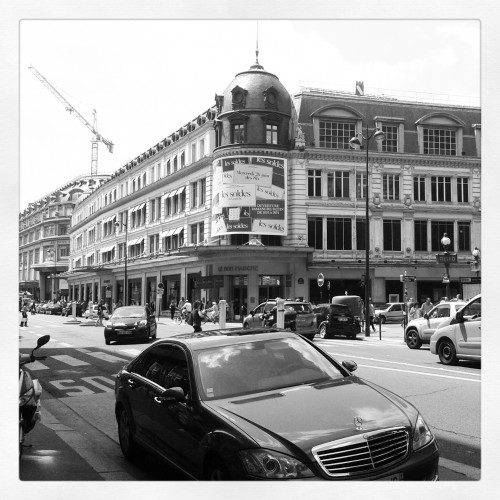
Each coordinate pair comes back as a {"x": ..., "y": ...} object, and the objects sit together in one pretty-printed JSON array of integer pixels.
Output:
[{"x": 249, "y": 196}]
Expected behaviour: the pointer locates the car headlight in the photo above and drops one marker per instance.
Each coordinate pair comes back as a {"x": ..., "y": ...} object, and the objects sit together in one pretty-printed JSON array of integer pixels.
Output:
[
  {"x": 273, "y": 465},
  {"x": 142, "y": 322},
  {"x": 422, "y": 434}
]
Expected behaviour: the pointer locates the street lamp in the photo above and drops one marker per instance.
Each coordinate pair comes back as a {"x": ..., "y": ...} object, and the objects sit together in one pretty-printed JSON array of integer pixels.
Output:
[
  {"x": 445, "y": 241},
  {"x": 355, "y": 143},
  {"x": 118, "y": 224},
  {"x": 52, "y": 254}
]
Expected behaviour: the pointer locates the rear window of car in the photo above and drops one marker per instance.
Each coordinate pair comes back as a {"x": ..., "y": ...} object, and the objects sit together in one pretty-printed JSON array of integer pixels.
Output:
[{"x": 337, "y": 310}]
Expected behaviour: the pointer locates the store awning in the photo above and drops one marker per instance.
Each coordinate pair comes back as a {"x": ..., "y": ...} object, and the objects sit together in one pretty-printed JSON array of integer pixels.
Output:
[
  {"x": 178, "y": 230},
  {"x": 180, "y": 190},
  {"x": 135, "y": 242},
  {"x": 167, "y": 233},
  {"x": 107, "y": 249}
]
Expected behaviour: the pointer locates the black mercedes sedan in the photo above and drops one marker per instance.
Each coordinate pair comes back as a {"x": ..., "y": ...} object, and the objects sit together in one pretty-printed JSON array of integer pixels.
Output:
[
  {"x": 266, "y": 404},
  {"x": 130, "y": 322}
]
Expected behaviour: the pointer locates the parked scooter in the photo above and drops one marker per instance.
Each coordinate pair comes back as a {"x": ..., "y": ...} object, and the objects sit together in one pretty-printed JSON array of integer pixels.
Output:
[{"x": 30, "y": 391}]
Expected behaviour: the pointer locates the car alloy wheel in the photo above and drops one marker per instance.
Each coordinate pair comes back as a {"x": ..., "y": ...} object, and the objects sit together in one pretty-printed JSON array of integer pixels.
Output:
[
  {"x": 412, "y": 339},
  {"x": 447, "y": 353},
  {"x": 127, "y": 443},
  {"x": 323, "y": 332}
]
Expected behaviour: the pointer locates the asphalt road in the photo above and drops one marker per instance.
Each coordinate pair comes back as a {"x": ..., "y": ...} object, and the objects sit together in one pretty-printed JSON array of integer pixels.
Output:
[{"x": 77, "y": 439}]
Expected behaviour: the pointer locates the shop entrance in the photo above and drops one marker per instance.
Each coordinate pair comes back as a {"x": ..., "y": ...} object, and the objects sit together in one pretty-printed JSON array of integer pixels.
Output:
[{"x": 238, "y": 299}]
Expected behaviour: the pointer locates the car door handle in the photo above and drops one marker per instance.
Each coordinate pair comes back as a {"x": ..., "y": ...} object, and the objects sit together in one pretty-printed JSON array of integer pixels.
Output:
[{"x": 131, "y": 383}]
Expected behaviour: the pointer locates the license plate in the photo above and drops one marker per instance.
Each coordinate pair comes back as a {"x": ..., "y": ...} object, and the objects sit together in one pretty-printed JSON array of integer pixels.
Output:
[
  {"x": 393, "y": 477},
  {"x": 343, "y": 319},
  {"x": 124, "y": 332}
]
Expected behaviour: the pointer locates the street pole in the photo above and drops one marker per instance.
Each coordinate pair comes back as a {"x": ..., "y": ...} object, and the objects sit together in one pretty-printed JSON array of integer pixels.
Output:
[
  {"x": 117, "y": 224},
  {"x": 356, "y": 143}
]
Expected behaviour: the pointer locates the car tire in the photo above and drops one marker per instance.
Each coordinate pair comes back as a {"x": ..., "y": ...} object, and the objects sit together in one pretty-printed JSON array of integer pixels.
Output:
[
  {"x": 447, "y": 352},
  {"x": 125, "y": 435},
  {"x": 413, "y": 341},
  {"x": 107, "y": 341},
  {"x": 217, "y": 471},
  {"x": 323, "y": 332}
]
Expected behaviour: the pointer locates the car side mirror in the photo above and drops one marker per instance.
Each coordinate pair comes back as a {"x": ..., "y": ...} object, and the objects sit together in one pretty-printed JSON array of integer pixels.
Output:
[
  {"x": 252, "y": 313},
  {"x": 426, "y": 316},
  {"x": 173, "y": 395},
  {"x": 459, "y": 317},
  {"x": 350, "y": 365}
]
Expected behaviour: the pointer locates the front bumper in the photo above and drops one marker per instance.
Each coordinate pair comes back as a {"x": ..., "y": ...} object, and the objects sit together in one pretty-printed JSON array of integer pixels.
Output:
[{"x": 117, "y": 334}]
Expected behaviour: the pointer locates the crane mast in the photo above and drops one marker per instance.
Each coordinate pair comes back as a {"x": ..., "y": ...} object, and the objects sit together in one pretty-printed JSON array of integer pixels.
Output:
[{"x": 96, "y": 138}]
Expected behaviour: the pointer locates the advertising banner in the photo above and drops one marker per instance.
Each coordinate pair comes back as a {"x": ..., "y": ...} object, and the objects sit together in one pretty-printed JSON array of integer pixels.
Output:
[{"x": 249, "y": 196}]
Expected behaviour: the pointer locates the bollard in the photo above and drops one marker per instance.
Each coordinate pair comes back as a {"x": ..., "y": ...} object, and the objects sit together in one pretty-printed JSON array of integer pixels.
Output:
[
  {"x": 379, "y": 329},
  {"x": 280, "y": 313},
  {"x": 222, "y": 313}
]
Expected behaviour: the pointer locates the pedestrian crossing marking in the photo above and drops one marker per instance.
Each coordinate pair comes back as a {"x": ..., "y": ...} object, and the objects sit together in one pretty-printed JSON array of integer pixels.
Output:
[
  {"x": 69, "y": 360},
  {"x": 36, "y": 365},
  {"x": 104, "y": 356},
  {"x": 62, "y": 344}
]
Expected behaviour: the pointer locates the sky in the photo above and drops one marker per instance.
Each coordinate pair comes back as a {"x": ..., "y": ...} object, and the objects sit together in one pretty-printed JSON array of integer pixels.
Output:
[{"x": 147, "y": 78}]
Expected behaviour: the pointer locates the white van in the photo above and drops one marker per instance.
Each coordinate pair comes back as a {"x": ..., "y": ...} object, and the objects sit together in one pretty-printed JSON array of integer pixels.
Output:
[{"x": 461, "y": 337}]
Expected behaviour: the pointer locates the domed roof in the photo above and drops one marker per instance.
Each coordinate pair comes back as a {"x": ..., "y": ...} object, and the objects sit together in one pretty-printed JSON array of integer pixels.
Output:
[{"x": 256, "y": 89}]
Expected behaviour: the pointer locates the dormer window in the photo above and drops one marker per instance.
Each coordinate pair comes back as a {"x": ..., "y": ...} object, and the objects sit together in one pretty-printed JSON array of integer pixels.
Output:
[
  {"x": 271, "y": 98},
  {"x": 239, "y": 97},
  {"x": 440, "y": 134}
]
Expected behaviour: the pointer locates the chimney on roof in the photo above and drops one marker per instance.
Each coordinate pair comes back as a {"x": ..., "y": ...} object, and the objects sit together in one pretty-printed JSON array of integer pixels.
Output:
[{"x": 360, "y": 88}]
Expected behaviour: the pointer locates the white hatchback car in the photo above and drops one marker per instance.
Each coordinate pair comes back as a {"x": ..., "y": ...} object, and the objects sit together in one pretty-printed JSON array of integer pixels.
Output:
[
  {"x": 461, "y": 337},
  {"x": 392, "y": 311},
  {"x": 91, "y": 312},
  {"x": 419, "y": 330}
]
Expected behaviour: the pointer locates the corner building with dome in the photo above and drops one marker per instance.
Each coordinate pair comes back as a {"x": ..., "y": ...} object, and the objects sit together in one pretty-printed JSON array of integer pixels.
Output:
[{"x": 260, "y": 193}]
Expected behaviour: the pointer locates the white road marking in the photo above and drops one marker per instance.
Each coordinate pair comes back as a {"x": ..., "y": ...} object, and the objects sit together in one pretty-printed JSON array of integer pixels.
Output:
[
  {"x": 107, "y": 357},
  {"x": 466, "y": 470},
  {"x": 69, "y": 360},
  {"x": 63, "y": 344},
  {"x": 421, "y": 373},
  {"x": 134, "y": 352},
  {"x": 36, "y": 365}
]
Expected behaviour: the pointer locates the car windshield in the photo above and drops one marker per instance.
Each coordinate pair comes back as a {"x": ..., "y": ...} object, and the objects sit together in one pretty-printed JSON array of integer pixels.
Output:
[
  {"x": 385, "y": 306},
  {"x": 266, "y": 365},
  {"x": 299, "y": 308},
  {"x": 338, "y": 309},
  {"x": 125, "y": 312}
]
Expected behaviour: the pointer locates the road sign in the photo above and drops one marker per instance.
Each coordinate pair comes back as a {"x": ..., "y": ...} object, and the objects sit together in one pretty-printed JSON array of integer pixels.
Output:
[
  {"x": 446, "y": 258},
  {"x": 321, "y": 279},
  {"x": 446, "y": 278},
  {"x": 407, "y": 279}
]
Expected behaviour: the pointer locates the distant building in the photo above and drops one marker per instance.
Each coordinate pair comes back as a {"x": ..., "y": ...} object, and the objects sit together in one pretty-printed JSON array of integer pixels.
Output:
[
  {"x": 256, "y": 196},
  {"x": 44, "y": 239}
]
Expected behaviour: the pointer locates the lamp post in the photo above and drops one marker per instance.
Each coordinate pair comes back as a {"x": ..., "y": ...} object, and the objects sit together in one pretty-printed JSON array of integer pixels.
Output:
[
  {"x": 445, "y": 241},
  {"x": 356, "y": 143},
  {"x": 117, "y": 224},
  {"x": 52, "y": 253}
]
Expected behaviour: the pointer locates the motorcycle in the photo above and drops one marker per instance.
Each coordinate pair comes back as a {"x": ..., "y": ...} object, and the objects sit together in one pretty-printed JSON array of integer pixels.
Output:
[{"x": 30, "y": 392}]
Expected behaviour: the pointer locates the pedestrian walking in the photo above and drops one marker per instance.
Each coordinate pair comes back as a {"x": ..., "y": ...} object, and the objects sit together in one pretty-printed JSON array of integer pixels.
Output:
[
  {"x": 100, "y": 310},
  {"x": 24, "y": 316},
  {"x": 197, "y": 316},
  {"x": 426, "y": 306},
  {"x": 173, "y": 307},
  {"x": 371, "y": 314}
]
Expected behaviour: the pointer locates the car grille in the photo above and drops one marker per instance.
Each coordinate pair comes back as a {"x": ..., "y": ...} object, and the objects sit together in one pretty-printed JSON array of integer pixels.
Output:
[{"x": 367, "y": 452}]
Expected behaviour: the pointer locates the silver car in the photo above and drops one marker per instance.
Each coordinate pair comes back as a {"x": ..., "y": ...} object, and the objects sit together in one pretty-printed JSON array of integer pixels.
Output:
[{"x": 419, "y": 331}]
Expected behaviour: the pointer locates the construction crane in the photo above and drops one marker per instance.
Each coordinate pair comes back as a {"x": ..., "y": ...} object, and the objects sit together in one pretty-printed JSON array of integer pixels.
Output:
[{"x": 93, "y": 128}]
